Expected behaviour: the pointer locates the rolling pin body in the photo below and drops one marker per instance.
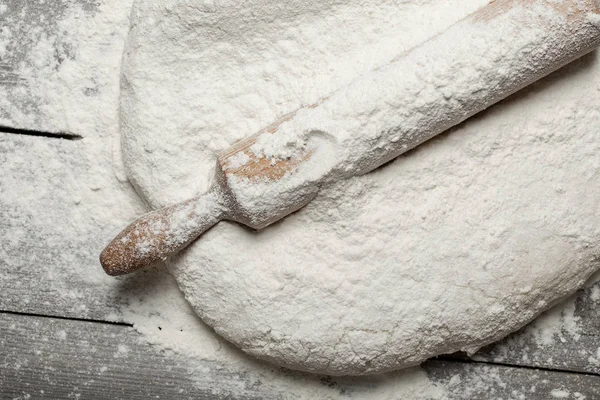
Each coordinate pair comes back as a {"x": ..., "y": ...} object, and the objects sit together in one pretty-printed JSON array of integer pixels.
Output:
[{"x": 475, "y": 63}]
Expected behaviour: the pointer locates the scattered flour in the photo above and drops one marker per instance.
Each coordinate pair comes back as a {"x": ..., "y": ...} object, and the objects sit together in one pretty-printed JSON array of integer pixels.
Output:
[
  {"x": 451, "y": 247},
  {"x": 97, "y": 197},
  {"x": 595, "y": 294},
  {"x": 77, "y": 93},
  {"x": 560, "y": 394},
  {"x": 558, "y": 324}
]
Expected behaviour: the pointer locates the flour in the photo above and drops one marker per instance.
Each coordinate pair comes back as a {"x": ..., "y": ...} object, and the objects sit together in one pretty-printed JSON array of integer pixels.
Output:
[
  {"x": 81, "y": 53},
  {"x": 382, "y": 114},
  {"x": 560, "y": 393},
  {"x": 450, "y": 247},
  {"x": 422, "y": 93},
  {"x": 560, "y": 109}
]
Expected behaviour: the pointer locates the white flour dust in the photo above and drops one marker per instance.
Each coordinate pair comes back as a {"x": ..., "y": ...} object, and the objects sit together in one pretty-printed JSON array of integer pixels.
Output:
[
  {"x": 451, "y": 247},
  {"x": 420, "y": 94},
  {"x": 557, "y": 112},
  {"x": 75, "y": 198}
]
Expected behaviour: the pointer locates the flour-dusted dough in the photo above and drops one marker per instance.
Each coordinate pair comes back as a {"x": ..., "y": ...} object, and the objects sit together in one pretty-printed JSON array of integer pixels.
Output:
[{"x": 448, "y": 248}]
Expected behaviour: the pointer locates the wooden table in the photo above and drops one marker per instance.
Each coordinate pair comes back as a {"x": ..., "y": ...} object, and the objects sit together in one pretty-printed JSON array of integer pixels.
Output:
[{"x": 66, "y": 329}]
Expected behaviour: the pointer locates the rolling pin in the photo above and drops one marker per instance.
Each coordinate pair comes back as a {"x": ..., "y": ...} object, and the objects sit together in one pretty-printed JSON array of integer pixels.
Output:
[{"x": 475, "y": 63}]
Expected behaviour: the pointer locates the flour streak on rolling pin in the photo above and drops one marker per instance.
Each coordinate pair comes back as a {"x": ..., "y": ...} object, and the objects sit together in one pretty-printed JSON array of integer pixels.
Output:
[{"x": 475, "y": 63}]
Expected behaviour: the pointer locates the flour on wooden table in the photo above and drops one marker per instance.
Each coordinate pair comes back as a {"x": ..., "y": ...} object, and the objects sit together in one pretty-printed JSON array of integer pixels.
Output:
[
  {"x": 79, "y": 51},
  {"x": 449, "y": 248},
  {"x": 559, "y": 103}
]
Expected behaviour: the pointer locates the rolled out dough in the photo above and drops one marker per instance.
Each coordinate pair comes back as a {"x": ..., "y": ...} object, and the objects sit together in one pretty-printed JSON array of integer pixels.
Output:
[{"x": 447, "y": 248}]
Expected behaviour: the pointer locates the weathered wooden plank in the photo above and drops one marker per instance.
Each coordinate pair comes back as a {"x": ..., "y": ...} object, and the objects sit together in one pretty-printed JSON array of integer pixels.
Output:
[
  {"x": 42, "y": 269},
  {"x": 59, "y": 202},
  {"x": 47, "y": 192},
  {"x": 60, "y": 359},
  {"x": 59, "y": 64},
  {"x": 55, "y": 358},
  {"x": 485, "y": 381},
  {"x": 566, "y": 337}
]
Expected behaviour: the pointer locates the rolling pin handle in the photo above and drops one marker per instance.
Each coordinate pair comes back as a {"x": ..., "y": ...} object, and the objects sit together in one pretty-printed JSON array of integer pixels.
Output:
[{"x": 158, "y": 234}]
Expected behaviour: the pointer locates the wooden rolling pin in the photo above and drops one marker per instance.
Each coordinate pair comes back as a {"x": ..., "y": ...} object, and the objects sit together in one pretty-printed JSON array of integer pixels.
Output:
[{"x": 475, "y": 63}]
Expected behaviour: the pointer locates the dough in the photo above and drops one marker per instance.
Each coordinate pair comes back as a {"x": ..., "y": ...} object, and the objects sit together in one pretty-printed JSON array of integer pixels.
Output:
[{"x": 450, "y": 247}]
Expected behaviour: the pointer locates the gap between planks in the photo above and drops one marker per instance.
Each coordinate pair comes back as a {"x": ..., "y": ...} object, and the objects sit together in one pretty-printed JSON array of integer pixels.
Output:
[
  {"x": 457, "y": 358},
  {"x": 465, "y": 360},
  {"x": 33, "y": 132},
  {"x": 95, "y": 321}
]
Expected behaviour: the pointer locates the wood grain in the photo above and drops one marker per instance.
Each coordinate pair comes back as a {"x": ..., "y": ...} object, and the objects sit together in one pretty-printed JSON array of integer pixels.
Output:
[
  {"x": 8, "y": 76},
  {"x": 55, "y": 358},
  {"x": 59, "y": 204},
  {"x": 38, "y": 39},
  {"x": 485, "y": 381},
  {"x": 259, "y": 168},
  {"x": 565, "y": 338},
  {"x": 42, "y": 271},
  {"x": 61, "y": 359}
]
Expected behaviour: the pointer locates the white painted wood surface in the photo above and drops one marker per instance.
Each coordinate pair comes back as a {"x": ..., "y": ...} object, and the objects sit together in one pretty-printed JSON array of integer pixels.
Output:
[{"x": 52, "y": 287}]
